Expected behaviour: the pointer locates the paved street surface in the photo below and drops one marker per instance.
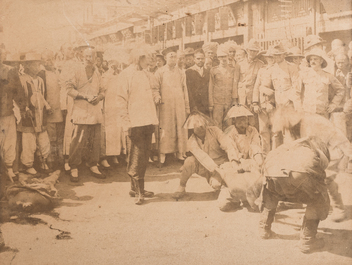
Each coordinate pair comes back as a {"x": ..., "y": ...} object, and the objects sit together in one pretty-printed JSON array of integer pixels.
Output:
[{"x": 106, "y": 227}]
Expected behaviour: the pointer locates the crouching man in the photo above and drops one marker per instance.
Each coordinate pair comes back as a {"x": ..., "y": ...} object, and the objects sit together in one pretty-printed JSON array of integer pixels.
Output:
[
  {"x": 295, "y": 172},
  {"x": 209, "y": 147},
  {"x": 242, "y": 176}
]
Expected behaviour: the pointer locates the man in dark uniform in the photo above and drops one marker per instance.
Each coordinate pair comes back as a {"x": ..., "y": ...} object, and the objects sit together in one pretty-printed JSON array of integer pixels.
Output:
[{"x": 197, "y": 79}]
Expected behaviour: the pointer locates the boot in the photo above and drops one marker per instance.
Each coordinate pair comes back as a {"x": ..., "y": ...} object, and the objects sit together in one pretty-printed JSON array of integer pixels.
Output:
[
  {"x": 132, "y": 192},
  {"x": 308, "y": 241},
  {"x": 266, "y": 219},
  {"x": 139, "y": 191}
]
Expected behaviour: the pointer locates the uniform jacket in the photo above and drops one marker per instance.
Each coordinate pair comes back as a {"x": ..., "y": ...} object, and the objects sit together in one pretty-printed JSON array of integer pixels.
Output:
[
  {"x": 284, "y": 77},
  {"x": 198, "y": 89},
  {"x": 222, "y": 87},
  {"x": 245, "y": 76},
  {"x": 84, "y": 112},
  {"x": 263, "y": 82},
  {"x": 318, "y": 90}
]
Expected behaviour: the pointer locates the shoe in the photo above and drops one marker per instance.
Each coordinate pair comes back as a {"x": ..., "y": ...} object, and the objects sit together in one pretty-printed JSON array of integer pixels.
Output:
[
  {"x": 74, "y": 175},
  {"x": 96, "y": 173},
  {"x": 338, "y": 215},
  {"x": 104, "y": 163},
  {"x": 311, "y": 245},
  {"x": 31, "y": 171},
  {"x": 146, "y": 194},
  {"x": 115, "y": 160},
  {"x": 162, "y": 158},
  {"x": 266, "y": 234},
  {"x": 67, "y": 167},
  {"x": 180, "y": 192},
  {"x": 179, "y": 156}
]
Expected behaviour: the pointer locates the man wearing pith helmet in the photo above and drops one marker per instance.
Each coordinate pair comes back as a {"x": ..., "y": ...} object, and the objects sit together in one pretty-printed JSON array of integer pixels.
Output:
[
  {"x": 209, "y": 147},
  {"x": 241, "y": 176}
]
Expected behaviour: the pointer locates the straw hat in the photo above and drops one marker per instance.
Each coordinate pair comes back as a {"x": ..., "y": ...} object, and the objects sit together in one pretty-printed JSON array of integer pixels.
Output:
[
  {"x": 32, "y": 56},
  {"x": 197, "y": 119},
  {"x": 12, "y": 59},
  {"x": 253, "y": 45},
  {"x": 238, "y": 111},
  {"x": 294, "y": 52},
  {"x": 189, "y": 51},
  {"x": 279, "y": 49},
  {"x": 168, "y": 50},
  {"x": 312, "y": 40},
  {"x": 317, "y": 52}
]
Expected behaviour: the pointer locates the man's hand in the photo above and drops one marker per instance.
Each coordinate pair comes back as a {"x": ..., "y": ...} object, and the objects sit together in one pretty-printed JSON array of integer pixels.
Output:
[
  {"x": 95, "y": 100},
  {"x": 49, "y": 111},
  {"x": 256, "y": 108},
  {"x": 331, "y": 107},
  {"x": 267, "y": 91},
  {"x": 64, "y": 112},
  {"x": 28, "y": 113},
  {"x": 157, "y": 100}
]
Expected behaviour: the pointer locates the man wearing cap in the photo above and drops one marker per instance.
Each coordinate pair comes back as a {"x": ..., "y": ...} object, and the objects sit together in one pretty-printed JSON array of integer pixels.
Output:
[
  {"x": 86, "y": 89},
  {"x": 34, "y": 115},
  {"x": 210, "y": 50},
  {"x": 10, "y": 90},
  {"x": 197, "y": 78},
  {"x": 138, "y": 94},
  {"x": 320, "y": 91},
  {"x": 264, "y": 101},
  {"x": 189, "y": 57},
  {"x": 222, "y": 89},
  {"x": 210, "y": 148},
  {"x": 174, "y": 108},
  {"x": 242, "y": 176},
  {"x": 247, "y": 73},
  {"x": 160, "y": 61},
  {"x": 55, "y": 122}
]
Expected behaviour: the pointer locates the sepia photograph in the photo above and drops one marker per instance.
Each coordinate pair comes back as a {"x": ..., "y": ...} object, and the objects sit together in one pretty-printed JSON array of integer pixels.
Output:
[{"x": 175, "y": 132}]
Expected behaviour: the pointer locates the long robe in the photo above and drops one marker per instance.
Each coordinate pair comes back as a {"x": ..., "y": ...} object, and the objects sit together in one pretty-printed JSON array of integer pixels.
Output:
[
  {"x": 175, "y": 103},
  {"x": 115, "y": 143}
]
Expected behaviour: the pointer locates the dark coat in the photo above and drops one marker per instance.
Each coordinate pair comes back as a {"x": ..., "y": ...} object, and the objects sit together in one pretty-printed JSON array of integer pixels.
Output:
[{"x": 198, "y": 90}]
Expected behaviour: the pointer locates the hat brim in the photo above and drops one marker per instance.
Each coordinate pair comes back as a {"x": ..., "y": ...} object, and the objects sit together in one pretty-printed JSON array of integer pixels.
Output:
[
  {"x": 323, "y": 65},
  {"x": 294, "y": 55},
  {"x": 12, "y": 62}
]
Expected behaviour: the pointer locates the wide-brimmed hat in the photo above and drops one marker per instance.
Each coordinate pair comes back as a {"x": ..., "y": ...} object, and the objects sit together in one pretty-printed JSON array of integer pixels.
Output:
[
  {"x": 294, "y": 52},
  {"x": 138, "y": 52},
  {"x": 266, "y": 53},
  {"x": 197, "y": 119},
  {"x": 320, "y": 53},
  {"x": 189, "y": 51},
  {"x": 84, "y": 44},
  {"x": 32, "y": 56},
  {"x": 210, "y": 46},
  {"x": 168, "y": 50},
  {"x": 253, "y": 45},
  {"x": 238, "y": 111},
  {"x": 12, "y": 59},
  {"x": 312, "y": 40},
  {"x": 279, "y": 49}
]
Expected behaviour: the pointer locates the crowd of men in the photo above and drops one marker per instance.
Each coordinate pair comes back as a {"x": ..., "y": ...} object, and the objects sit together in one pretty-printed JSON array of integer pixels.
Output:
[{"x": 223, "y": 110}]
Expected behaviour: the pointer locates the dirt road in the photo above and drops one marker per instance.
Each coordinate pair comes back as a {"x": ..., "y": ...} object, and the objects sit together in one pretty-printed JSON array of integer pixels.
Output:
[{"x": 106, "y": 227}]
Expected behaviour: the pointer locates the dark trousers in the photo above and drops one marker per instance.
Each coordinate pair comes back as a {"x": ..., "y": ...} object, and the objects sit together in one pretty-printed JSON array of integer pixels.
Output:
[
  {"x": 312, "y": 192},
  {"x": 85, "y": 144},
  {"x": 138, "y": 151}
]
